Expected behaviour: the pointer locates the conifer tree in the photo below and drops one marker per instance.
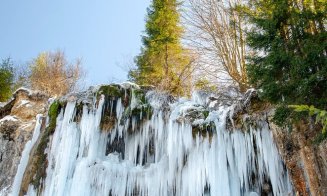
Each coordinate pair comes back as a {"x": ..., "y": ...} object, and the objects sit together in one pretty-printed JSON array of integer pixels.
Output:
[
  {"x": 163, "y": 62},
  {"x": 291, "y": 64}
]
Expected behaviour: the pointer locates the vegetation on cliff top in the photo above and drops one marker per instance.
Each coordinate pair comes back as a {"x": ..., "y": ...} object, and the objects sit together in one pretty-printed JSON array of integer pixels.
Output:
[
  {"x": 290, "y": 63},
  {"x": 6, "y": 79},
  {"x": 320, "y": 115},
  {"x": 284, "y": 42}
]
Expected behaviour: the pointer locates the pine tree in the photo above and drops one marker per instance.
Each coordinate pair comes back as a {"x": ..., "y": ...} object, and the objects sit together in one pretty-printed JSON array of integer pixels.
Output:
[
  {"x": 163, "y": 62},
  {"x": 291, "y": 40}
]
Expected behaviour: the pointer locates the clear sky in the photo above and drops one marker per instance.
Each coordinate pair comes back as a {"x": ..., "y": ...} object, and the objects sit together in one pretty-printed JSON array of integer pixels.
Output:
[{"x": 106, "y": 34}]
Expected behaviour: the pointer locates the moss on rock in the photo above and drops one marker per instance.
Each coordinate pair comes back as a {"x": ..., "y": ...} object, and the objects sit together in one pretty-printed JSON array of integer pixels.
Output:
[
  {"x": 38, "y": 159},
  {"x": 133, "y": 100},
  {"x": 110, "y": 91},
  {"x": 40, "y": 156}
]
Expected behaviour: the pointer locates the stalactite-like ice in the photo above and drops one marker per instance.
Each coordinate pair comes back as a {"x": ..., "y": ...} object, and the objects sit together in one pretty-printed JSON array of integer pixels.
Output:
[
  {"x": 160, "y": 156},
  {"x": 25, "y": 156}
]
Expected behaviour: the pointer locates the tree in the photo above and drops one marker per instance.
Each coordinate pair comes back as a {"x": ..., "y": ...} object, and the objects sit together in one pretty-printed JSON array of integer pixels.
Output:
[
  {"x": 290, "y": 37},
  {"x": 6, "y": 79},
  {"x": 52, "y": 74},
  {"x": 216, "y": 30},
  {"x": 163, "y": 61}
]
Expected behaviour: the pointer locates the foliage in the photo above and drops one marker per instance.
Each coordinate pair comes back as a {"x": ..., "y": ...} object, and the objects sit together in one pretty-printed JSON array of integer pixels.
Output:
[
  {"x": 110, "y": 91},
  {"x": 52, "y": 74},
  {"x": 282, "y": 116},
  {"x": 320, "y": 115},
  {"x": 163, "y": 62},
  {"x": 290, "y": 38},
  {"x": 205, "y": 85},
  {"x": 6, "y": 79}
]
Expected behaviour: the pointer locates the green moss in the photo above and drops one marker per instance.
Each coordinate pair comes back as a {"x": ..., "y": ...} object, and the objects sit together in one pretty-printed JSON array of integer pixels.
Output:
[
  {"x": 142, "y": 106},
  {"x": 282, "y": 116},
  {"x": 139, "y": 95},
  {"x": 53, "y": 114},
  {"x": 320, "y": 138},
  {"x": 205, "y": 113},
  {"x": 40, "y": 158},
  {"x": 112, "y": 94},
  {"x": 110, "y": 91}
]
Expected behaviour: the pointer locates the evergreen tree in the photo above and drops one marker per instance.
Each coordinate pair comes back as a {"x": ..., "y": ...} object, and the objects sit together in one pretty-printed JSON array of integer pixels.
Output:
[
  {"x": 290, "y": 37},
  {"x": 6, "y": 79},
  {"x": 163, "y": 61}
]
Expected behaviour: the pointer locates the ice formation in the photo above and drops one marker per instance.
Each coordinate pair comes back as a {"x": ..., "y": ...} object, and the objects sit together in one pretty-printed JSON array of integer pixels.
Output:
[
  {"x": 157, "y": 154},
  {"x": 25, "y": 156}
]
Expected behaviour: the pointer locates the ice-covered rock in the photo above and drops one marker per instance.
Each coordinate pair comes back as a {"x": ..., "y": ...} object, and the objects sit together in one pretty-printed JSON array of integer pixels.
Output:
[
  {"x": 17, "y": 122},
  {"x": 182, "y": 147}
]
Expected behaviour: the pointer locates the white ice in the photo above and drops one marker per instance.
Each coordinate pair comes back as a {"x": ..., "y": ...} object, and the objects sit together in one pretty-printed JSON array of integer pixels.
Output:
[
  {"x": 161, "y": 156},
  {"x": 25, "y": 157}
]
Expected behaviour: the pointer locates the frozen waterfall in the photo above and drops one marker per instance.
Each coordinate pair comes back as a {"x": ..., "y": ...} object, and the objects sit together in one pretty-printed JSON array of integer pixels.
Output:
[{"x": 158, "y": 153}]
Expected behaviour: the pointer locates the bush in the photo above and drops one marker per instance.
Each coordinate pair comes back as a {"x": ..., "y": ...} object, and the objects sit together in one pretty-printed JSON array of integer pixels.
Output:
[{"x": 320, "y": 115}]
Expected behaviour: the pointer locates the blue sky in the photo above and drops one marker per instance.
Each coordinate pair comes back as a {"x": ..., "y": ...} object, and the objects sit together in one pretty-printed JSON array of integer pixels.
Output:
[{"x": 106, "y": 34}]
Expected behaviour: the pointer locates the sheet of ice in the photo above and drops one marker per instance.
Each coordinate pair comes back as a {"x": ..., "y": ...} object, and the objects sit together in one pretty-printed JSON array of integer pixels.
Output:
[
  {"x": 160, "y": 156},
  {"x": 5, "y": 191},
  {"x": 25, "y": 157}
]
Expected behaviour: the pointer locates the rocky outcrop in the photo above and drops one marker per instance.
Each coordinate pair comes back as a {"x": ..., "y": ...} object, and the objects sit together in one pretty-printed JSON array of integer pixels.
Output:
[
  {"x": 17, "y": 121},
  {"x": 305, "y": 157}
]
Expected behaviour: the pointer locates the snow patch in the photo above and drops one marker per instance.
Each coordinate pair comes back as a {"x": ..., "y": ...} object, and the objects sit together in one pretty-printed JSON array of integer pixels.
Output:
[
  {"x": 8, "y": 118},
  {"x": 24, "y": 103}
]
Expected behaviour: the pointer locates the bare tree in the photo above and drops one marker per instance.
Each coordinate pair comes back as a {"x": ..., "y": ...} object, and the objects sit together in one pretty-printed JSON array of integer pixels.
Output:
[
  {"x": 52, "y": 74},
  {"x": 215, "y": 29}
]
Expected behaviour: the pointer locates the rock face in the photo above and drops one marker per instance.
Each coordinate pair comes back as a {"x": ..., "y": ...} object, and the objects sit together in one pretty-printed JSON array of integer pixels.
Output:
[
  {"x": 17, "y": 121},
  {"x": 304, "y": 157},
  {"x": 120, "y": 146},
  {"x": 306, "y": 160}
]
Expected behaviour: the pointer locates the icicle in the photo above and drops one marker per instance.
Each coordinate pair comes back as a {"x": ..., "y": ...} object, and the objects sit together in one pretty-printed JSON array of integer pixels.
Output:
[
  {"x": 25, "y": 157},
  {"x": 161, "y": 156}
]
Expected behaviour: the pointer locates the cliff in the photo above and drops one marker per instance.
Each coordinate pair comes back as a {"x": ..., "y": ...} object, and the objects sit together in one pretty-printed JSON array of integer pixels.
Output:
[
  {"x": 17, "y": 122},
  {"x": 129, "y": 116},
  {"x": 300, "y": 145}
]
